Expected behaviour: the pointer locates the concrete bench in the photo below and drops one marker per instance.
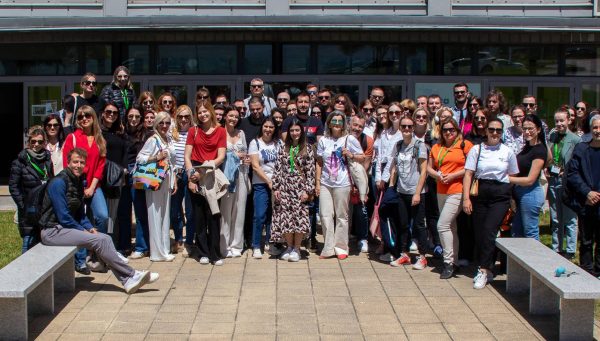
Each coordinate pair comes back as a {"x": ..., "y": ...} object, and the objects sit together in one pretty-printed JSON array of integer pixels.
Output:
[
  {"x": 531, "y": 268},
  {"x": 27, "y": 286}
]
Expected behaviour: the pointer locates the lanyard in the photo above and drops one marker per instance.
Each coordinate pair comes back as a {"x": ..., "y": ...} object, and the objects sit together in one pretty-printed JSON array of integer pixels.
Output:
[
  {"x": 441, "y": 160},
  {"x": 557, "y": 150},
  {"x": 43, "y": 174},
  {"x": 293, "y": 153},
  {"x": 125, "y": 98}
]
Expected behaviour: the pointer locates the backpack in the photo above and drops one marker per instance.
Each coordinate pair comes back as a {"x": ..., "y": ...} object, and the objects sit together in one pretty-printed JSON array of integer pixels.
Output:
[
  {"x": 415, "y": 151},
  {"x": 34, "y": 208}
]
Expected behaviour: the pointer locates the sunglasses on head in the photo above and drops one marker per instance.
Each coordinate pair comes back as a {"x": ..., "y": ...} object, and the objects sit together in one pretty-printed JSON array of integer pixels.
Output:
[
  {"x": 92, "y": 83},
  {"x": 86, "y": 115}
]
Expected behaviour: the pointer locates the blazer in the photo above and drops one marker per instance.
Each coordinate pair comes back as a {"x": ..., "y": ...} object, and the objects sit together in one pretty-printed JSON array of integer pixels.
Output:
[
  {"x": 570, "y": 141},
  {"x": 579, "y": 179}
]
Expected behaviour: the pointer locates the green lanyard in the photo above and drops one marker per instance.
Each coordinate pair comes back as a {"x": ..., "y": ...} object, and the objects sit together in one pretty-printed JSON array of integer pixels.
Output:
[
  {"x": 293, "y": 153},
  {"x": 441, "y": 160},
  {"x": 125, "y": 99},
  {"x": 43, "y": 174},
  {"x": 557, "y": 150}
]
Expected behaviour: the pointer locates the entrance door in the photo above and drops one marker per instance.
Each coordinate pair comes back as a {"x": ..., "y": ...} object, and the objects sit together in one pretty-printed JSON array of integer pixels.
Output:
[
  {"x": 513, "y": 92},
  {"x": 393, "y": 91},
  {"x": 41, "y": 99},
  {"x": 551, "y": 97}
]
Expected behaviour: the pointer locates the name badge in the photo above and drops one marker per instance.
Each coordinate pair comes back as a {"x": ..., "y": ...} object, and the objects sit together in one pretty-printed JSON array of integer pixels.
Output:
[{"x": 555, "y": 170}]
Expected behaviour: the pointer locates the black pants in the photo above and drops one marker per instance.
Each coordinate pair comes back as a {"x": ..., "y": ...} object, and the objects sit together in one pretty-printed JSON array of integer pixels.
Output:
[
  {"x": 589, "y": 234},
  {"x": 489, "y": 208},
  {"x": 208, "y": 228},
  {"x": 407, "y": 213},
  {"x": 432, "y": 211},
  {"x": 466, "y": 236}
]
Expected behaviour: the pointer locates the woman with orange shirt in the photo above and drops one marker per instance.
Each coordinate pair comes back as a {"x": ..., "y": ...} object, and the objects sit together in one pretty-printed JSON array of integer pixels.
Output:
[{"x": 447, "y": 167}]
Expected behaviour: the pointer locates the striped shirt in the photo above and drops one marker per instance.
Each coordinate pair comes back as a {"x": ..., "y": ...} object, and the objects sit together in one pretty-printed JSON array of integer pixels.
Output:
[{"x": 180, "y": 149}]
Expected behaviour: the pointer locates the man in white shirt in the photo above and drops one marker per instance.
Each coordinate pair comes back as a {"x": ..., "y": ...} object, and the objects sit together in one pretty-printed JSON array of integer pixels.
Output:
[{"x": 257, "y": 89}]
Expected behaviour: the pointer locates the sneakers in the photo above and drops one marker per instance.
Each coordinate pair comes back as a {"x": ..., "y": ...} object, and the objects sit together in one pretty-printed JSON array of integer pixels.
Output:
[
  {"x": 438, "y": 252},
  {"x": 84, "y": 270},
  {"x": 413, "y": 247},
  {"x": 387, "y": 257},
  {"x": 219, "y": 262},
  {"x": 404, "y": 259},
  {"x": 236, "y": 253},
  {"x": 480, "y": 279},
  {"x": 294, "y": 256},
  {"x": 97, "y": 266},
  {"x": 138, "y": 255},
  {"x": 286, "y": 254},
  {"x": 204, "y": 260},
  {"x": 122, "y": 258},
  {"x": 256, "y": 253},
  {"x": 342, "y": 256},
  {"x": 136, "y": 281},
  {"x": 420, "y": 264},
  {"x": 447, "y": 271},
  {"x": 364, "y": 246},
  {"x": 188, "y": 251},
  {"x": 229, "y": 254},
  {"x": 153, "y": 277}
]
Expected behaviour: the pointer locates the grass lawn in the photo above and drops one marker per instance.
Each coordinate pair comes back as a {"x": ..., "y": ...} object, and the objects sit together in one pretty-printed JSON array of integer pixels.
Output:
[{"x": 9, "y": 239}]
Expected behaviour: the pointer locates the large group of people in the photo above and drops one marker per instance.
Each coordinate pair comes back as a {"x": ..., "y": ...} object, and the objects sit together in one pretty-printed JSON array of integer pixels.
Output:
[{"x": 261, "y": 174}]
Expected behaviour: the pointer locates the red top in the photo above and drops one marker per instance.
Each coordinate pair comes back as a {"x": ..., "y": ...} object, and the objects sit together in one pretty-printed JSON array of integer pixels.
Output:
[
  {"x": 206, "y": 146},
  {"x": 94, "y": 164}
]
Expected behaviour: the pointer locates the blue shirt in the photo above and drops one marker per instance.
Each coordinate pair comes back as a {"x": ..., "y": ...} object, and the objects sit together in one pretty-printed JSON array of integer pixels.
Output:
[{"x": 57, "y": 191}]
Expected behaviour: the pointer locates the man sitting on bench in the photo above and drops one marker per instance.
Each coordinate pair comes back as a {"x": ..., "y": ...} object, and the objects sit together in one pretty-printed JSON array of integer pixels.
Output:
[{"x": 65, "y": 223}]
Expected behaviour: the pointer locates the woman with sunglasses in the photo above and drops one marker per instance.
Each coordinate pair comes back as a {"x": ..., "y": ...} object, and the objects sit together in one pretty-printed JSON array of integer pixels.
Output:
[
  {"x": 513, "y": 136},
  {"x": 478, "y": 133},
  {"x": 341, "y": 102},
  {"x": 408, "y": 107},
  {"x": 147, "y": 102},
  {"x": 447, "y": 166},
  {"x": 56, "y": 138},
  {"x": 407, "y": 172},
  {"x": 491, "y": 163},
  {"x": 316, "y": 111},
  {"x": 88, "y": 93},
  {"x": 582, "y": 125},
  {"x": 179, "y": 133},
  {"x": 160, "y": 147},
  {"x": 120, "y": 92},
  {"x": 528, "y": 192},
  {"x": 202, "y": 98},
  {"x": 31, "y": 169},
  {"x": 167, "y": 102},
  {"x": 233, "y": 203},
  {"x": 367, "y": 108},
  {"x": 88, "y": 136},
  {"x": 441, "y": 115}
]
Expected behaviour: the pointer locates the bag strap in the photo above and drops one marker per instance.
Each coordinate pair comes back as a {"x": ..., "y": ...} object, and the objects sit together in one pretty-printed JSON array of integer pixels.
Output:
[
  {"x": 348, "y": 163},
  {"x": 477, "y": 162}
]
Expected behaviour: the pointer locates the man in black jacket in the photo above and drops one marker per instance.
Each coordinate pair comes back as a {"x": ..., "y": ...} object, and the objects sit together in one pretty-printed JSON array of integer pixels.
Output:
[{"x": 65, "y": 223}]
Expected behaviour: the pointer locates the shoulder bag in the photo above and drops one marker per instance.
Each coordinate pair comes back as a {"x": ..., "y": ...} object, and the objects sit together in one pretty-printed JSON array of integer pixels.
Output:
[
  {"x": 474, "y": 191},
  {"x": 150, "y": 175}
]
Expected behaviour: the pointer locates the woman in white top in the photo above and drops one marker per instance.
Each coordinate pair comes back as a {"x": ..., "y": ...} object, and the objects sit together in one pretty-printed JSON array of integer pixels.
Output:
[
  {"x": 513, "y": 136},
  {"x": 158, "y": 147},
  {"x": 56, "y": 136},
  {"x": 491, "y": 163},
  {"x": 333, "y": 183},
  {"x": 179, "y": 132},
  {"x": 263, "y": 155},
  {"x": 233, "y": 203}
]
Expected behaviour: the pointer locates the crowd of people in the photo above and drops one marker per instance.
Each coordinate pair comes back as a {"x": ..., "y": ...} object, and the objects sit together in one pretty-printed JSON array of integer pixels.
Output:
[{"x": 388, "y": 176}]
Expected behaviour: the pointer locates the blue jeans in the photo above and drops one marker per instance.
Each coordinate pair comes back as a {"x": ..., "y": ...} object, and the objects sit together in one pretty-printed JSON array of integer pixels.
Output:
[
  {"x": 97, "y": 203},
  {"x": 177, "y": 211},
  {"x": 529, "y": 200},
  {"x": 262, "y": 213},
  {"x": 28, "y": 243},
  {"x": 142, "y": 235},
  {"x": 360, "y": 221},
  {"x": 563, "y": 221}
]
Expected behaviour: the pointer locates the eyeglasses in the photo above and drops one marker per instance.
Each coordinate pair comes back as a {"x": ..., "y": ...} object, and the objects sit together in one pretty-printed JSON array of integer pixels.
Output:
[
  {"x": 421, "y": 117},
  {"x": 148, "y": 102},
  {"x": 369, "y": 110},
  {"x": 282, "y": 100},
  {"x": 167, "y": 102},
  {"x": 111, "y": 112},
  {"x": 52, "y": 125},
  {"x": 494, "y": 130},
  {"x": 336, "y": 121},
  {"x": 241, "y": 109},
  {"x": 460, "y": 92},
  {"x": 316, "y": 111},
  {"x": 528, "y": 128},
  {"x": 580, "y": 108},
  {"x": 86, "y": 115},
  {"x": 528, "y": 105},
  {"x": 480, "y": 118},
  {"x": 448, "y": 130},
  {"x": 88, "y": 83},
  {"x": 324, "y": 97},
  {"x": 340, "y": 101},
  {"x": 394, "y": 112},
  {"x": 131, "y": 117},
  {"x": 406, "y": 126},
  {"x": 376, "y": 97},
  {"x": 256, "y": 86},
  {"x": 34, "y": 142},
  {"x": 474, "y": 104},
  {"x": 181, "y": 117},
  {"x": 202, "y": 97},
  {"x": 164, "y": 123},
  {"x": 293, "y": 110}
]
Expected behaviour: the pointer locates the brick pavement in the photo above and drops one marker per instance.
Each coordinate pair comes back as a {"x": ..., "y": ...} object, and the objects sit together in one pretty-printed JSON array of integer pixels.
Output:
[{"x": 268, "y": 299}]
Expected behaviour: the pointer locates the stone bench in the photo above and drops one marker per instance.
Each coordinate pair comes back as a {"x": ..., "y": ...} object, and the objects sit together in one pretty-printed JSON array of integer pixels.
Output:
[
  {"x": 27, "y": 286},
  {"x": 531, "y": 268}
]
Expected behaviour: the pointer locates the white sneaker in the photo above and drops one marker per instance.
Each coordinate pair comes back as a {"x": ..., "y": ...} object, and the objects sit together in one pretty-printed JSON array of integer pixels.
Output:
[
  {"x": 413, "y": 247},
  {"x": 136, "y": 281},
  {"x": 286, "y": 254},
  {"x": 170, "y": 257},
  {"x": 204, "y": 260},
  {"x": 219, "y": 262},
  {"x": 294, "y": 256},
  {"x": 236, "y": 253},
  {"x": 137, "y": 255},
  {"x": 229, "y": 254},
  {"x": 364, "y": 246},
  {"x": 256, "y": 253},
  {"x": 153, "y": 277},
  {"x": 387, "y": 257},
  {"x": 122, "y": 258},
  {"x": 480, "y": 280}
]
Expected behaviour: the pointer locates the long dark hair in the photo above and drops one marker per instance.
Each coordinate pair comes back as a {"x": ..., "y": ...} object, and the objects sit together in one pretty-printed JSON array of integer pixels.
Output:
[
  {"x": 117, "y": 127},
  {"x": 538, "y": 124},
  {"x": 61, "y": 131},
  {"x": 275, "y": 132},
  {"x": 301, "y": 141}
]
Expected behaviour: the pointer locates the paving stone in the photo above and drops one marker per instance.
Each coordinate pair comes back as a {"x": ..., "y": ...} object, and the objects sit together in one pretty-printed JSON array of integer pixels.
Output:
[
  {"x": 132, "y": 317},
  {"x": 136, "y": 327},
  {"x": 170, "y": 337},
  {"x": 170, "y": 327},
  {"x": 254, "y": 337},
  {"x": 210, "y": 337},
  {"x": 254, "y": 328},
  {"x": 87, "y": 327},
  {"x": 428, "y": 337},
  {"x": 424, "y": 328},
  {"x": 209, "y": 327},
  {"x": 385, "y": 337},
  {"x": 80, "y": 337},
  {"x": 339, "y": 328},
  {"x": 121, "y": 337}
]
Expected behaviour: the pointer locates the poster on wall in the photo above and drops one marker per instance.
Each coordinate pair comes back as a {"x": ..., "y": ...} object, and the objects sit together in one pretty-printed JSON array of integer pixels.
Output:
[{"x": 445, "y": 90}]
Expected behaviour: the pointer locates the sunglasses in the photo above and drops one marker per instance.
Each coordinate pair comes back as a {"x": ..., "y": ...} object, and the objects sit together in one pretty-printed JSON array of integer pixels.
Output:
[
  {"x": 181, "y": 117},
  {"x": 376, "y": 97},
  {"x": 312, "y": 92},
  {"x": 164, "y": 123},
  {"x": 88, "y": 83},
  {"x": 87, "y": 116},
  {"x": 460, "y": 92},
  {"x": 405, "y": 109},
  {"x": 222, "y": 102},
  {"x": 131, "y": 117},
  {"x": 406, "y": 126},
  {"x": 111, "y": 112},
  {"x": 202, "y": 97},
  {"x": 368, "y": 110},
  {"x": 282, "y": 100},
  {"x": 494, "y": 130},
  {"x": 52, "y": 125},
  {"x": 528, "y": 105},
  {"x": 148, "y": 102},
  {"x": 449, "y": 130},
  {"x": 580, "y": 108},
  {"x": 34, "y": 142},
  {"x": 123, "y": 77},
  {"x": 256, "y": 86},
  {"x": 336, "y": 121},
  {"x": 324, "y": 97},
  {"x": 394, "y": 112},
  {"x": 480, "y": 118},
  {"x": 340, "y": 101},
  {"x": 421, "y": 117},
  {"x": 167, "y": 102},
  {"x": 474, "y": 104},
  {"x": 240, "y": 109}
]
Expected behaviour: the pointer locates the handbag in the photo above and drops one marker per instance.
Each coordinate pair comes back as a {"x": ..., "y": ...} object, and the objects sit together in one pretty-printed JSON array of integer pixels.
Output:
[
  {"x": 150, "y": 175},
  {"x": 474, "y": 191},
  {"x": 354, "y": 192},
  {"x": 113, "y": 175},
  {"x": 375, "y": 227}
]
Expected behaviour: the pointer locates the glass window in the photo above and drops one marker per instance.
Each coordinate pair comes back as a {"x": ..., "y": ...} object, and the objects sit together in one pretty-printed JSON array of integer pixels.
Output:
[
  {"x": 179, "y": 91},
  {"x": 217, "y": 59},
  {"x": 350, "y": 90},
  {"x": 387, "y": 59},
  {"x": 503, "y": 60},
  {"x": 177, "y": 59},
  {"x": 549, "y": 99},
  {"x": 445, "y": 91},
  {"x": 258, "y": 59},
  {"x": 356, "y": 59},
  {"x": 43, "y": 100},
  {"x": 98, "y": 59},
  {"x": 39, "y": 60},
  {"x": 273, "y": 88},
  {"x": 591, "y": 94},
  {"x": 391, "y": 92},
  {"x": 544, "y": 60},
  {"x": 138, "y": 59},
  {"x": 582, "y": 61},
  {"x": 295, "y": 58},
  {"x": 513, "y": 94},
  {"x": 457, "y": 60},
  {"x": 418, "y": 60}
]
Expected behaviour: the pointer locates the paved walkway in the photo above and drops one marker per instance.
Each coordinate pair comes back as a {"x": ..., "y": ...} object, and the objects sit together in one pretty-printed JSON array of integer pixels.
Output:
[{"x": 267, "y": 299}]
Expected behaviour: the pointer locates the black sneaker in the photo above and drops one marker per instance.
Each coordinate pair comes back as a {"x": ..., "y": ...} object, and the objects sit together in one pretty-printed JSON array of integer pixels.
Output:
[
  {"x": 447, "y": 271},
  {"x": 84, "y": 270}
]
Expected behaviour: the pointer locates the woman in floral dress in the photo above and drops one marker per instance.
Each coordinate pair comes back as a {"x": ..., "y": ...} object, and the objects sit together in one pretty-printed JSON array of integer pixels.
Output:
[{"x": 293, "y": 188}]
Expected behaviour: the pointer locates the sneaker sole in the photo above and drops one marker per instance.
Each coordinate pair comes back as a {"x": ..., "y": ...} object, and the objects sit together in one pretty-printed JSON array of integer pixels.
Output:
[{"x": 141, "y": 283}]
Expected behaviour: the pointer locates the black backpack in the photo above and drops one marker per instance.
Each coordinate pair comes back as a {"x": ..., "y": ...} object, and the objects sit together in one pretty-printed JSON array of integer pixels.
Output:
[{"x": 33, "y": 207}]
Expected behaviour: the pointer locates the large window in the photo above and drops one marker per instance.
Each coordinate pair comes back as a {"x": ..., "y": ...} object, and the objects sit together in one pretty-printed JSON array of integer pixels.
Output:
[
  {"x": 582, "y": 61},
  {"x": 97, "y": 59},
  {"x": 137, "y": 59},
  {"x": 196, "y": 59},
  {"x": 419, "y": 60},
  {"x": 457, "y": 60},
  {"x": 39, "y": 60},
  {"x": 358, "y": 59},
  {"x": 258, "y": 59},
  {"x": 517, "y": 60},
  {"x": 295, "y": 58}
]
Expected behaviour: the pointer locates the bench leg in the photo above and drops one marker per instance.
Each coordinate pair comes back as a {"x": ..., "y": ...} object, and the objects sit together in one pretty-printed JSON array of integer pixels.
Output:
[
  {"x": 517, "y": 278},
  {"x": 64, "y": 277},
  {"x": 41, "y": 299},
  {"x": 542, "y": 300},
  {"x": 13, "y": 319},
  {"x": 576, "y": 319}
]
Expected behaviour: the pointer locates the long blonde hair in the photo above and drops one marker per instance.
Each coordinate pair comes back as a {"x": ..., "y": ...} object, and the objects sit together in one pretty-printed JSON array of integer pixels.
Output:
[
  {"x": 180, "y": 109},
  {"x": 96, "y": 131}
]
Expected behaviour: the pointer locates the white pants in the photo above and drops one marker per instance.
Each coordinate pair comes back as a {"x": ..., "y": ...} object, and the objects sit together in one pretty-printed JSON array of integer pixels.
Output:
[
  {"x": 450, "y": 206},
  {"x": 334, "y": 205},
  {"x": 233, "y": 212},
  {"x": 159, "y": 208}
]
